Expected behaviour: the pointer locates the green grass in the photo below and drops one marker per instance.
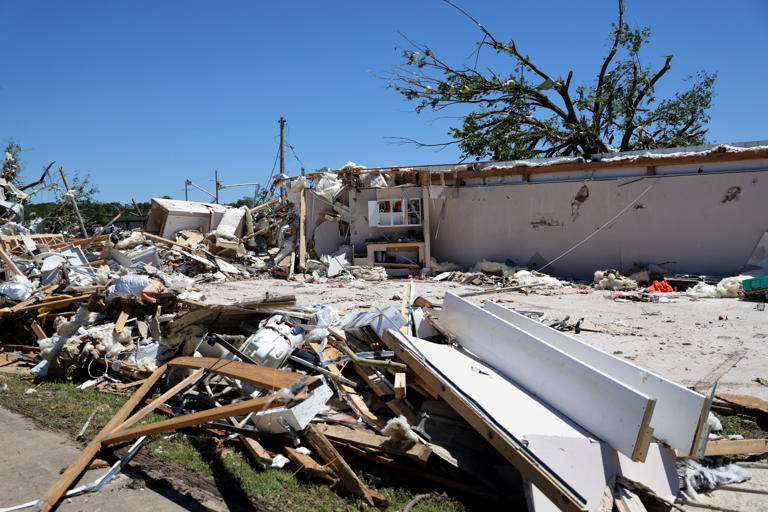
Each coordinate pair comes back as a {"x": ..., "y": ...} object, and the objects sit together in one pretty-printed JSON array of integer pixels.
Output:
[
  {"x": 746, "y": 427},
  {"x": 62, "y": 407}
]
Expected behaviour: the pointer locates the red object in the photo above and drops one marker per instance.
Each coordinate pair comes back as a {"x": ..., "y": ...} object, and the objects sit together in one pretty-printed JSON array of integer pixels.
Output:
[
  {"x": 338, "y": 285},
  {"x": 660, "y": 286},
  {"x": 720, "y": 317}
]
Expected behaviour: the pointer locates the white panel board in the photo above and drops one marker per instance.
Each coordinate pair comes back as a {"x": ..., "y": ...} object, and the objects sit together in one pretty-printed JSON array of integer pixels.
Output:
[
  {"x": 610, "y": 410},
  {"x": 677, "y": 411},
  {"x": 566, "y": 450}
]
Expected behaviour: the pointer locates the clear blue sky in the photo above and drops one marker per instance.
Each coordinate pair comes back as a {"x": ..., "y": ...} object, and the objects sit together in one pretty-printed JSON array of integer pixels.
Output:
[{"x": 144, "y": 94}]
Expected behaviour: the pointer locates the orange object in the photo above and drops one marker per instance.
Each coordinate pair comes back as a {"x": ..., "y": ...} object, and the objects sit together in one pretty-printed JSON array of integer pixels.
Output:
[
  {"x": 151, "y": 290},
  {"x": 660, "y": 286}
]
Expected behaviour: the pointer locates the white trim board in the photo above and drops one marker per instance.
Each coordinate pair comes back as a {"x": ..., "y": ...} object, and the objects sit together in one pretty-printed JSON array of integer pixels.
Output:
[
  {"x": 676, "y": 415},
  {"x": 610, "y": 410},
  {"x": 583, "y": 465}
]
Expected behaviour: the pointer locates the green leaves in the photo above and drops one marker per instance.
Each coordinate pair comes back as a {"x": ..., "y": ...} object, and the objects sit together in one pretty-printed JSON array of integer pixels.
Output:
[{"x": 531, "y": 114}]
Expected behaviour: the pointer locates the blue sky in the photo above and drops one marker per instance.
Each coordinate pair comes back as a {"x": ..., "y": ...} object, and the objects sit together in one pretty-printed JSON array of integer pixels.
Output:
[{"x": 145, "y": 94}]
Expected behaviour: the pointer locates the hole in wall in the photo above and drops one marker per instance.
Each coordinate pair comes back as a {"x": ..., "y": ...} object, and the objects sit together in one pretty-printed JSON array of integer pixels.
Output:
[{"x": 731, "y": 194}]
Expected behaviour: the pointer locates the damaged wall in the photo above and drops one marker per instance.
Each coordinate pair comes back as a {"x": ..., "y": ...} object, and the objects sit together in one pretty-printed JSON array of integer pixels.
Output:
[
  {"x": 358, "y": 203},
  {"x": 324, "y": 236},
  {"x": 682, "y": 219}
]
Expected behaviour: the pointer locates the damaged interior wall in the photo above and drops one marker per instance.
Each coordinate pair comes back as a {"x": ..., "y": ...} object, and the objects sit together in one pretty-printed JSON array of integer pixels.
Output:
[
  {"x": 689, "y": 222},
  {"x": 324, "y": 236}
]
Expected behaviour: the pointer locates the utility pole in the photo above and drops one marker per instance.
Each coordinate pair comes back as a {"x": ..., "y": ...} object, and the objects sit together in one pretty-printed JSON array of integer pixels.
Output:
[
  {"x": 216, "y": 177},
  {"x": 74, "y": 202},
  {"x": 282, "y": 145},
  {"x": 186, "y": 190}
]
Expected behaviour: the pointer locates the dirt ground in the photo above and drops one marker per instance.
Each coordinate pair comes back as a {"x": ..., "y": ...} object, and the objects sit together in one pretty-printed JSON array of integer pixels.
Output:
[
  {"x": 684, "y": 340},
  {"x": 31, "y": 460}
]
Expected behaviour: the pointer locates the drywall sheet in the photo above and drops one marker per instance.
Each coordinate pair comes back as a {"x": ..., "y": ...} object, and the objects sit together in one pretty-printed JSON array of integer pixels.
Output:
[
  {"x": 678, "y": 409},
  {"x": 610, "y": 410},
  {"x": 578, "y": 461}
]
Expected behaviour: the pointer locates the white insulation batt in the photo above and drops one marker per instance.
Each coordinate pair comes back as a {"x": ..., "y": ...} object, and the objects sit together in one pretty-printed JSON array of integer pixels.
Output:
[
  {"x": 678, "y": 409},
  {"x": 567, "y": 452},
  {"x": 601, "y": 404}
]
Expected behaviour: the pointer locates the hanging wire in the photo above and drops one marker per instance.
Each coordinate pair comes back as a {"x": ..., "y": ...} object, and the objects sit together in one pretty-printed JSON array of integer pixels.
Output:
[{"x": 294, "y": 154}]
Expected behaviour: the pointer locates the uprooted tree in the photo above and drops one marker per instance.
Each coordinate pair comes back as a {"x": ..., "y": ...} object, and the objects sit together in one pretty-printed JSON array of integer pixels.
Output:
[{"x": 529, "y": 112}]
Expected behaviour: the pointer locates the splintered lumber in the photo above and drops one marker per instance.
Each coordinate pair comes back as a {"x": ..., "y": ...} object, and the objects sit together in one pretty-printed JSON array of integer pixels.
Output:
[
  {"x": 400, "y": 386},
  {"x": 262, "y": 206},
  {"x": 405, "y": 308},
  {"x": 160, "y": 400},
  {"x": 355, "y": 400},
  {"x": 417, "y": 471},
  {"x": 257, "y": 451},
  {"x": 65, "y": 480},
  {"x": 532, "y": 469},
  {"x": 121, "y": 320},
  {"x": 416, "y": 451},
  {"x": 376, "y": 381},
  {"x": 332, "y": 458},
  {"x": 58, "y": 302},
  {"x": 11, "y": 265},
  {"x": 302, "y": 232},
  {"x": 261, "y": 376},
  {"x": 736, "y": 447},
  {"x": 38, "y": 330},
  {"x": 308, "y": 465},
  {"x": 745, "y": 402},
  {"x": 189, "y": 420}
]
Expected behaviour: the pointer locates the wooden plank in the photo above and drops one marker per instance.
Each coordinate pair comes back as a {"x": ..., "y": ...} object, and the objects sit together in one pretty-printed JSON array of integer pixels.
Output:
[
  {"x": 21, "y": 305},
  {"x": 356, "y": 400},
  {"x": 709, "y": 380},
  {"x": 529, "y": 468},
  {"x": 750, "y": 403},
  {"x": 302, "y": 231},
  {"x": 261, "y": 376},
  {"x": 416, "y": 451},
  {"x": 157, "y": 402},
  {"x": 610, "y": 410},
  {"x": 59, "y": 302},
  {"x": 400, "y": 385},
  {"x": 308, "y": 465},
  {"x": 120, "y": 324},
  {"x": 189, "y": 420},
  {"x": 332, "y": 458},
  {"x": 677, "y": 410},
  {"x": 257, "y": 451},
  {"x": 65, "y": 480},
  {"x": 628, "y": 501},
  {"x": 262, "y": 206},
  {"x": 736, "y": 447},
  {"x": 38, "y": 330},
  {"x": 405, "y": 307},
  {"x": 11, "y": 265}
]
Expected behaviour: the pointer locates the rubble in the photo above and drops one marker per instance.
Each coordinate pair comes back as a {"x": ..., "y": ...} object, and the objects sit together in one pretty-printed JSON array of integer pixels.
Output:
[{"x": 319, "y": 390}]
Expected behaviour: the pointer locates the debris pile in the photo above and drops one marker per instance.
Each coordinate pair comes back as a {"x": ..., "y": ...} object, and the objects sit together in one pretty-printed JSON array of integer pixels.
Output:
[{"x": 323, "y": 392}]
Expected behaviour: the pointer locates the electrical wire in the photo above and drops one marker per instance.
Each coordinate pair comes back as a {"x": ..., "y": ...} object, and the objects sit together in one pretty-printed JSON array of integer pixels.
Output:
[{"x": 631, "y": 203}]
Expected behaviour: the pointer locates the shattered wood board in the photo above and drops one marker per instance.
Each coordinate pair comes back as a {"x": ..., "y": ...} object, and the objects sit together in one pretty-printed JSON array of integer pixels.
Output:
[
  {"x": 678, "y": 409},
  {"x": 612, "y": 411}
]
